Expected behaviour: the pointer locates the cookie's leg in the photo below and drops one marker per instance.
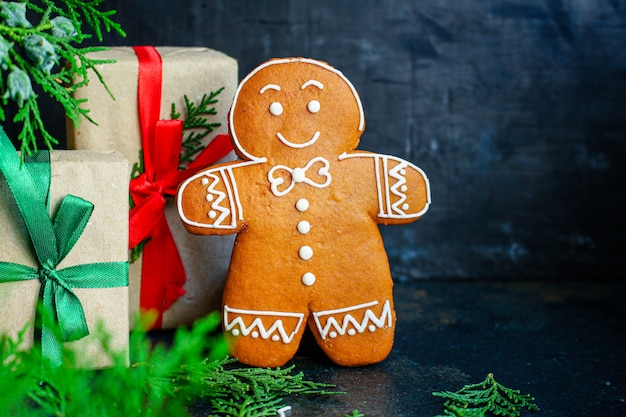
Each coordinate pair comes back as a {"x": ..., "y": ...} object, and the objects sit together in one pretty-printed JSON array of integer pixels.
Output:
[
  {"x": 263, "y": 338},
  {"x": 356, "y": 335}
]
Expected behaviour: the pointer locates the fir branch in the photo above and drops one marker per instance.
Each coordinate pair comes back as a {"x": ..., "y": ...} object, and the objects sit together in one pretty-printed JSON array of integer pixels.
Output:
[
  {"x": 96, "y": 18},
  {"x": 46, "y": 56},
  {"x": 264, "y": 407},
  {"x": 196, "y": 124},
  {"x": 246, "y": 391},
  {"x": 163, "y": 380},
  {"x": 50, "y": 85},
  {"x": 30, "y": 116},
  {"x": 138, "y": 168},
  {"x": 486, "y": 398},
  {"x": 75, "y": 75}
]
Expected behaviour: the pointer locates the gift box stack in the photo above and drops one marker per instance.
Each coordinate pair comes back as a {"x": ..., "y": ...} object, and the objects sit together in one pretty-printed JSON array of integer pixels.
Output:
[{"x": 174, "y": 277}]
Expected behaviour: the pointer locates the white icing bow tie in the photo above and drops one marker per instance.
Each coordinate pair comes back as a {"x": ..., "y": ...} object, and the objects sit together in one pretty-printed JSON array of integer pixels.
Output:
[{"x": 318, "y": 177}]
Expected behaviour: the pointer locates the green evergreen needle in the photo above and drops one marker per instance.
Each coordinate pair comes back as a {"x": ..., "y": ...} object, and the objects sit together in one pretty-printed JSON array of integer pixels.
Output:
[
  {"x": 196, "y": 124},
  {"x": 47, "y": 50},
  {"x": 163, "y": 380},
  {"x": 486, "y": 398}
]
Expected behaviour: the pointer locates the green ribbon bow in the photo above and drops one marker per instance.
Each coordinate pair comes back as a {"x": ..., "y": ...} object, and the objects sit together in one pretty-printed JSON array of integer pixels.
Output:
[{"x": 52, "y": 240}]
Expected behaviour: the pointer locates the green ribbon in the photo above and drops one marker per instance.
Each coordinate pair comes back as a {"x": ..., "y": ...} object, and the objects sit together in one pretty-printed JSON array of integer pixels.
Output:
[{"x": 53, "y": 239}]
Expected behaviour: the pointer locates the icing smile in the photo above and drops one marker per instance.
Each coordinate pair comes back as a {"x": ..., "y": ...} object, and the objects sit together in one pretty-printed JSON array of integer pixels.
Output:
[{"x": 299, "y": 145}]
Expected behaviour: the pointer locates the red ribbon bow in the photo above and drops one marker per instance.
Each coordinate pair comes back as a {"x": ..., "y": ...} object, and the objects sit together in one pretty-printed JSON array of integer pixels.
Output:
[{"x": 163, "y": 274}]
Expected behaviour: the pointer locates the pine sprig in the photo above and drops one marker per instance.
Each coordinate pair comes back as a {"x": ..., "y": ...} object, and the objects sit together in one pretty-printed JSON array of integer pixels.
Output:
[
  {"x": 165, "y": 379},
  {"x": 30, "y": 117},
  {"x": 248, "y": 407},
  {"x": 40, "y": 46},
  {"x": 487, "y": 398},
  {"x": 96, "y": 18},
  {"x": 196, "y": 124},
  {"x": 234, "y": 391}
]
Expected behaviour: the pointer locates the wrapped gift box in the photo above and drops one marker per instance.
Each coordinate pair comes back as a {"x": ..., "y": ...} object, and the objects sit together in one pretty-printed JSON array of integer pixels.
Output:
[
  {"x": 191, "y": 72},
  {"x": 102, "y": 179}
]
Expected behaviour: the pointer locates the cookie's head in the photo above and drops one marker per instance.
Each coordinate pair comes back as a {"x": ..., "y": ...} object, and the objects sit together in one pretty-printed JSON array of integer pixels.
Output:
[{"x": 298, "y": 106}]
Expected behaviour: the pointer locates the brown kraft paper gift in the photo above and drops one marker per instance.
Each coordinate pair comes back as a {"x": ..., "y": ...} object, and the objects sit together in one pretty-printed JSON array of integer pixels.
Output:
[
  {"x": 193, "y": 72},
  {"x": 100, "y": 178}
]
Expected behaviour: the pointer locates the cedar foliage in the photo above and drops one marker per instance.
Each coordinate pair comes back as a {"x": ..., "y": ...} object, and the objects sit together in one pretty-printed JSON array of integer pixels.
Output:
[
  {"x": 40, "y": 45},
  {"x": 487, "y": 398},
  {"x": 163, "y": 379},
  {"x": 196, "y": 124}
]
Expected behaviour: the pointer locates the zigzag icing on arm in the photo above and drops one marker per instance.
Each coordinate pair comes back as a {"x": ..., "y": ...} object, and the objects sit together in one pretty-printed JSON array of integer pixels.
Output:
[
  {"x": 399, "y": 188},
  {"x": 222, "y": 204},
  {"x": 383, "y": 173},
  {"x": 386, "y": 195},
  {"x": 233, "y": 193},
  {"x": 217, "y": 197},
  {"x": 378, "y": 185}
]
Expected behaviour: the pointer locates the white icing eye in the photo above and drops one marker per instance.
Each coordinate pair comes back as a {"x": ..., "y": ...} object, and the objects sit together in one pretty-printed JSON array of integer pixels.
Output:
[
  {"x": 313, "y": 106},
  {"x": 276, "y": 108}
]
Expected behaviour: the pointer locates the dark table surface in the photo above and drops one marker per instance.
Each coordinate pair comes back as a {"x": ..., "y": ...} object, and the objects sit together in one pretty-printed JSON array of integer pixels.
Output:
[{"x": 562, "y": 342}]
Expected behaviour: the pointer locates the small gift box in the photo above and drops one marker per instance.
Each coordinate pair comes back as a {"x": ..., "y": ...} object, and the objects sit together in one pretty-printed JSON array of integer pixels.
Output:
[
  {"x": 178, "y": 276},
  {"x": 64, "y": 230}
]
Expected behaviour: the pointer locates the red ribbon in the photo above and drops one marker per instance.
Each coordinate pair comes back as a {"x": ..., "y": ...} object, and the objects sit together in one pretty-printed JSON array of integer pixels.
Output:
[{"x": 163, "y": 274}]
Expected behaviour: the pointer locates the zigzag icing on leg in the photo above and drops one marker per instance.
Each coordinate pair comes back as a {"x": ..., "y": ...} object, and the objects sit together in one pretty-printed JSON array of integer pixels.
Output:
[
  {"x": 350, "y": 325},
  {"x": 276, "y": 332}
]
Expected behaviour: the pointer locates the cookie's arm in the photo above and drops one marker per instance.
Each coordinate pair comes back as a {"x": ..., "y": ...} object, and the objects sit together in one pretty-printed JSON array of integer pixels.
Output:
[
  {"x": 209, "y": 204},
  {"x": 403, "y": 191}
]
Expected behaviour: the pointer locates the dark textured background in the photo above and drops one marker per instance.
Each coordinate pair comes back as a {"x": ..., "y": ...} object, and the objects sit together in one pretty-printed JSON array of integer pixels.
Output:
[{"x": 514, "y": 109}]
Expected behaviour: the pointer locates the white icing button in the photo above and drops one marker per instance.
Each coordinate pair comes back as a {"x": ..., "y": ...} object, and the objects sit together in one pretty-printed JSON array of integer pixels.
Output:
[
  {"x": 304, "y": 227},
  {"x": 305, "y": 253},
  {"x": 308, "y": 279},
  {"x": 255, "y": 334},
  {"x": 313, "y": 106},
  {"x": 205, "y": 181},
  {"x": 276, "y": 108},
  {"x": 302, "y": 204},
  {"x": 209, "y": 197},
  {"x": 404, "y": 188},
  {"x": 298, "y": 175},
  {"x": 351, "y": 332},
  {"x": 403, "y": 171},
  {"x": 333, "y": 334},
  {"x": 276, "y": 338},
  {"x": 235, "y": 332},
  {"x": 405, "y": 206},
  {"x": 212, "y": 214},
  {"x": 371, "y": 328}
]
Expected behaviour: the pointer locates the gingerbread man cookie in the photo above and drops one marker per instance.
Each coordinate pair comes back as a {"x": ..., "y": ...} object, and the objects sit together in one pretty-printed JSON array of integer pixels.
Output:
[{"x": 306, "y": 206}]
